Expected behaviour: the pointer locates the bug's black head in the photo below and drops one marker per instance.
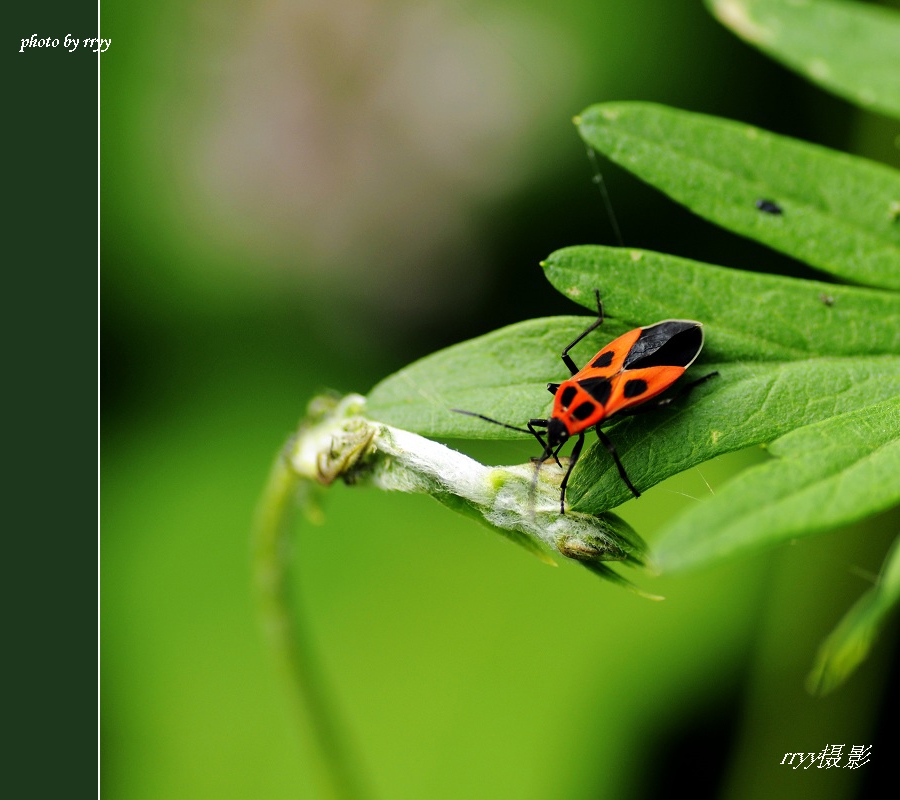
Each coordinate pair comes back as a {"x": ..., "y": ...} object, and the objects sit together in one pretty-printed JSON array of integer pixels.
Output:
[{"x": 556, "y": 433}]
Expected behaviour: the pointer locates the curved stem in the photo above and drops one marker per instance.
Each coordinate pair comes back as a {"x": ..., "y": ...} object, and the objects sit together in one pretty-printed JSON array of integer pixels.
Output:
[{"x": 337, "y": 774}]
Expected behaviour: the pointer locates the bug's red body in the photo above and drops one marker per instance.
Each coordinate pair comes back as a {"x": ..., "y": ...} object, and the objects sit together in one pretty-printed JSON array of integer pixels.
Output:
[{"x": 626, "y": 373}]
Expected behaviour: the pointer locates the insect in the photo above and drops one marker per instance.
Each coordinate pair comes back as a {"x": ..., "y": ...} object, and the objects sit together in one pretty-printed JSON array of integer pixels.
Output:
[{"x": 618, "y": 381}]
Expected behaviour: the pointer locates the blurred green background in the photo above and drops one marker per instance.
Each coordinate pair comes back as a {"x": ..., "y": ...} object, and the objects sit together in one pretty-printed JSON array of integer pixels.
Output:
[{"x": 308, "y": 195}]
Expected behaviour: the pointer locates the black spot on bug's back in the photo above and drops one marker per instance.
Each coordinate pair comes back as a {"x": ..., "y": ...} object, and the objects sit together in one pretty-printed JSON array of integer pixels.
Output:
[
  {"x": 769, "y": 207},
  {"x": 634, "y": 388},
  {"x": 673, "y": 343},
  {"x": 567, "y": 396},
  {"x": 598, "y": 388},
  {"x": 583, "y": 411},
  {"x": 603, "y": 360}
]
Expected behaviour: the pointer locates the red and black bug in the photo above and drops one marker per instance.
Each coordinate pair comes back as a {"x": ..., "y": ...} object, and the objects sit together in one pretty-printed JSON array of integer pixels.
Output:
[{"x": 617, "y": 382}]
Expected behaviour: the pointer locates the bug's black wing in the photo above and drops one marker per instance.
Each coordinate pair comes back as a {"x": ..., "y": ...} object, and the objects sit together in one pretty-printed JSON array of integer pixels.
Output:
[{"x": 671, "y": 343}]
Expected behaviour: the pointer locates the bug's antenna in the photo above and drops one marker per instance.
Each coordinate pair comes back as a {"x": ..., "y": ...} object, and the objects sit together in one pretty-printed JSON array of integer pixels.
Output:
[
  {"x": 492, "y": 421},
  {"x": 607, "y": 204}
]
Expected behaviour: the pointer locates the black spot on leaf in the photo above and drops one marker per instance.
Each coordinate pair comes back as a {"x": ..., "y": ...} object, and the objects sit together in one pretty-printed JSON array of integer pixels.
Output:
[{"x": 769, "y": 207}]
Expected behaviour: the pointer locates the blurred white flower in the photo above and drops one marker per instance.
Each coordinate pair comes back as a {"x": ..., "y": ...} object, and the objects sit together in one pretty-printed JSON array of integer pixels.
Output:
[{"x": 350, "y": 140}]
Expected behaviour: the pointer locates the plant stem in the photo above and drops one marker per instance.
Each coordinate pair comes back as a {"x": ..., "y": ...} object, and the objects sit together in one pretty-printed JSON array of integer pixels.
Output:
[
  {"x": 337, "y": 441},
  {"x": 337, "y": 774}
]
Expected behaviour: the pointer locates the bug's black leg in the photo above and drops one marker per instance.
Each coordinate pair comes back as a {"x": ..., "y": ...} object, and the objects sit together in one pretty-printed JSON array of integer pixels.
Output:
[
  {"x": 542, "y": 423},
  {"x": 539, "y": 423},
  {"x": 567, "y": 359},
  {"x": 576, "y": 451},
  {"x": 612, "y": 451},
  {"x": 554, "y": 455},
  {"x": 553, "y": 388}
]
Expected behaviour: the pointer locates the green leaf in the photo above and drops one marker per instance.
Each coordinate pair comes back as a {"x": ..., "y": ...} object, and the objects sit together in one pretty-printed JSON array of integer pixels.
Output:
[
  {"x": 824, "y": 475},
  {"x": 848, "y": 645},
  {"x": 851, "y": 49},
  {"x": 503, "y": 375},
  {"x": 839, "y": 213},
  {"x": 746, "y": 404},
  {"x": 746, "y": 315}
]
